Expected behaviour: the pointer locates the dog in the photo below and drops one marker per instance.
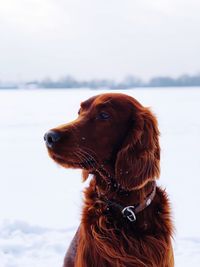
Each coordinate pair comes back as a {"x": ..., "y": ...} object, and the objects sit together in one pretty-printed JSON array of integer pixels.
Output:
[{"x": 126, "y": 217}]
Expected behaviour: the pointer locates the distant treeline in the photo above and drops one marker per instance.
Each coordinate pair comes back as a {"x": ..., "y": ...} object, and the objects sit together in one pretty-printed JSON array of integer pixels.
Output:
[{"x": 128, "y": 82}]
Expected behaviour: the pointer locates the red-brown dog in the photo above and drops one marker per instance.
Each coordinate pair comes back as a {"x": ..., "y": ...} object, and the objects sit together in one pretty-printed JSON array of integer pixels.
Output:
[{"x": 126, "y": 217}]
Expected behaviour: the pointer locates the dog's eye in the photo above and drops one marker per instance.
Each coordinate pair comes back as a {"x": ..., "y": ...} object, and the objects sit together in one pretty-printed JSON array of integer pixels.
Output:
[
  {"x": 79, "y": 111},
  {"x": 103, "y": 116}
]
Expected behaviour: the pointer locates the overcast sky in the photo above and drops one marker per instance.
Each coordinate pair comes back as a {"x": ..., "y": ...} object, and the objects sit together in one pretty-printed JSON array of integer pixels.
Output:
[{"x": 98, "y": 38}]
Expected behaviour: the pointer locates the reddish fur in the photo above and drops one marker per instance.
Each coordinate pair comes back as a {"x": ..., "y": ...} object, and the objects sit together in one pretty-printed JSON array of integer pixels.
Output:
[{"x": 129, "y": 151}]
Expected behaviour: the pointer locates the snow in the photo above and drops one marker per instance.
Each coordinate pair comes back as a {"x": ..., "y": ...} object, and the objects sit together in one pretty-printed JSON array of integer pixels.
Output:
[
  {"x": 40, "y": 203},
  {"x": 24, "y": 245}
]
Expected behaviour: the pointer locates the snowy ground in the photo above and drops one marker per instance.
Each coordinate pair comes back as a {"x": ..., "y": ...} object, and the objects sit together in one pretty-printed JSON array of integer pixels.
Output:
[{"x": 35, "y": 191}]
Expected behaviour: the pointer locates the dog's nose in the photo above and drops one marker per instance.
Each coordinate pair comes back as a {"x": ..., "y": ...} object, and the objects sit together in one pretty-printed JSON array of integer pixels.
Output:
[{"x": 51, "y": 138}]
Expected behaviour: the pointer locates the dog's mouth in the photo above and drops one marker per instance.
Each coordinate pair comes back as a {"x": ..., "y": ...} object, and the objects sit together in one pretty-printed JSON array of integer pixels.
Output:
[{"x": 87, "y": 163}]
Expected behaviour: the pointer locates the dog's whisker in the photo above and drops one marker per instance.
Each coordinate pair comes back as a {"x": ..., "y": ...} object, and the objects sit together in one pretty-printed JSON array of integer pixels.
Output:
[
  {"x": 83, "y": 159},
  {"x": 76, "y": 154},
  {"x": 87, "y": 158},
  {"x": 89, "y": 154},
  {"x": 94, "y": 161}
]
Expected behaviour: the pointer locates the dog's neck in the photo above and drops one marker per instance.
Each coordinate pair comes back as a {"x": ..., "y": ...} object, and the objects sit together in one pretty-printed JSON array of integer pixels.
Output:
[
  {"x": 106, "y": 183},
  {"x": 129, "y": 202}
]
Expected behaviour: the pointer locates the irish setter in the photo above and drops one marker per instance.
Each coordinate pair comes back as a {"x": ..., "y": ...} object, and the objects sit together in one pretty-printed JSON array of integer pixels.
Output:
[{"x": 126, "y": 218}]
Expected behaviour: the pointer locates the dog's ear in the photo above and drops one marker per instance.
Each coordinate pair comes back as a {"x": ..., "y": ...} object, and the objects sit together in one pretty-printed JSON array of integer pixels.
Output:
[{"x": 138, "y": 159}]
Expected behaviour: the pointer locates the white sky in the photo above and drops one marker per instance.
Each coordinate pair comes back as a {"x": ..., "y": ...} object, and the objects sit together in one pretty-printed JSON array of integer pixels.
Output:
[{"x": 98, "y": 38}]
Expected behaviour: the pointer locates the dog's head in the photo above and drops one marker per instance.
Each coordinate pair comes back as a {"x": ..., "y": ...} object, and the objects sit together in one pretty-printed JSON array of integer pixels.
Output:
[{"x": 112, "y": 132}]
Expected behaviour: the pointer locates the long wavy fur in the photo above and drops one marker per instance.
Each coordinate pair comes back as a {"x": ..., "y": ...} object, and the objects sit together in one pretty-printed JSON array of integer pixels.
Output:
[{"x": 105, "y": 238}]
